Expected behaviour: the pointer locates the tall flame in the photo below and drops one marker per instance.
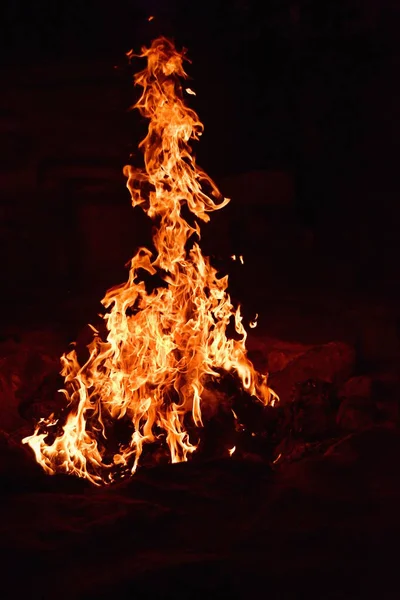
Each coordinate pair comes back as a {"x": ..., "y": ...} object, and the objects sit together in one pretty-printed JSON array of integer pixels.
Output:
[{"x": 162, "y": 346}]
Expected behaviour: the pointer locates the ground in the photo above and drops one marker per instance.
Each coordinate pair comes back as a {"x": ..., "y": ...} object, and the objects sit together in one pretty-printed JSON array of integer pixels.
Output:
[{"x": 308, "y": 507}]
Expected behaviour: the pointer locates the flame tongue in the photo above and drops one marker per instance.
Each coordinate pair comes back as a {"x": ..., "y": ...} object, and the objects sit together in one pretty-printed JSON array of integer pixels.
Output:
[{"x": 161, "y": 346}]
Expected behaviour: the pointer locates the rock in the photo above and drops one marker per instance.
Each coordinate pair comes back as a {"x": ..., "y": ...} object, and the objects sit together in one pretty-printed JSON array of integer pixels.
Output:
[
  {"x": 367, "y": 400},
  {"x": 357, "y": 410},
  {"x": 277, "y": 361},
  {"x": 388, "y": 412},
  {"x": 312, "y": 410},
  {"x": 273, "y": 355},
  {"x": 332, "y": 363},
  {"x": 386, "y": 392},
  {"x": 356, "y": 414},
  {"x": 26, "y": 361},
  {"x": 308, "y": 425},
  {"x": 359, "y": 386}
]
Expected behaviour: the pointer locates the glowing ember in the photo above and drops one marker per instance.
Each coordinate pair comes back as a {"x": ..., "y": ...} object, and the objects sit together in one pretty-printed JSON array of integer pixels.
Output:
[{"x": 163, "y": 346}]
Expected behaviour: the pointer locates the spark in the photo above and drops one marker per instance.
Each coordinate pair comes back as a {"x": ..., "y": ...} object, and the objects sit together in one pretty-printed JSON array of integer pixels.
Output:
[{"x": 253, "y": 323}]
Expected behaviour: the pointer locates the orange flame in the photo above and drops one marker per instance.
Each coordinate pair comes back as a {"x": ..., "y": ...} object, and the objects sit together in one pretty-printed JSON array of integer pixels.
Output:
[{"x": 162, "y": 346}]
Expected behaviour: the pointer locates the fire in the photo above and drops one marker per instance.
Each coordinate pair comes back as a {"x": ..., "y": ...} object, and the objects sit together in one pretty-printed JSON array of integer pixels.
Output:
[
  {"x": 253, "y": 323},
  {"x": 162, "y": 346}
]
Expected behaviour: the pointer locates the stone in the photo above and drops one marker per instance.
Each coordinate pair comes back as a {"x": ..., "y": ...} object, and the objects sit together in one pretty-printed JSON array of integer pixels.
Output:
[
  {"x": 357, "y": 410},
  {"x": 356, "y": 413},
  {"x": 332, "y": 363},
  {"x": 367, "y": 400},
  {"x": 313, "y": 410},
  {"x": 359, "y": 386},
  {"x": 272, "y": 355},
  {"x": 26, "y": 363},
  {"x": 386, "y": 392}
]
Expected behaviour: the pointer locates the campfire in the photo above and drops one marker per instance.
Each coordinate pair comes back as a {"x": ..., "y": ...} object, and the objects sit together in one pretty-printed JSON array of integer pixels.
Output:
[{"x": 171, "y": 331}]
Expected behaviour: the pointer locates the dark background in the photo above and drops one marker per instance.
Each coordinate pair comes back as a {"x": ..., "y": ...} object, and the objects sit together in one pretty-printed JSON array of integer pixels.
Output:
[{"x": 300, "y": 103}]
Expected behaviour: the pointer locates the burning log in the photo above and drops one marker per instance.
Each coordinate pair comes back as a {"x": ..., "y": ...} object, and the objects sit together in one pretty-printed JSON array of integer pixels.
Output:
[{"x": 145, "y": 383}]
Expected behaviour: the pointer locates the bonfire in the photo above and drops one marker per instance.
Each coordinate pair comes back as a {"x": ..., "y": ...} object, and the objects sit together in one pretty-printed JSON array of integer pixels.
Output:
[{"x": 168, "y": 327}]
